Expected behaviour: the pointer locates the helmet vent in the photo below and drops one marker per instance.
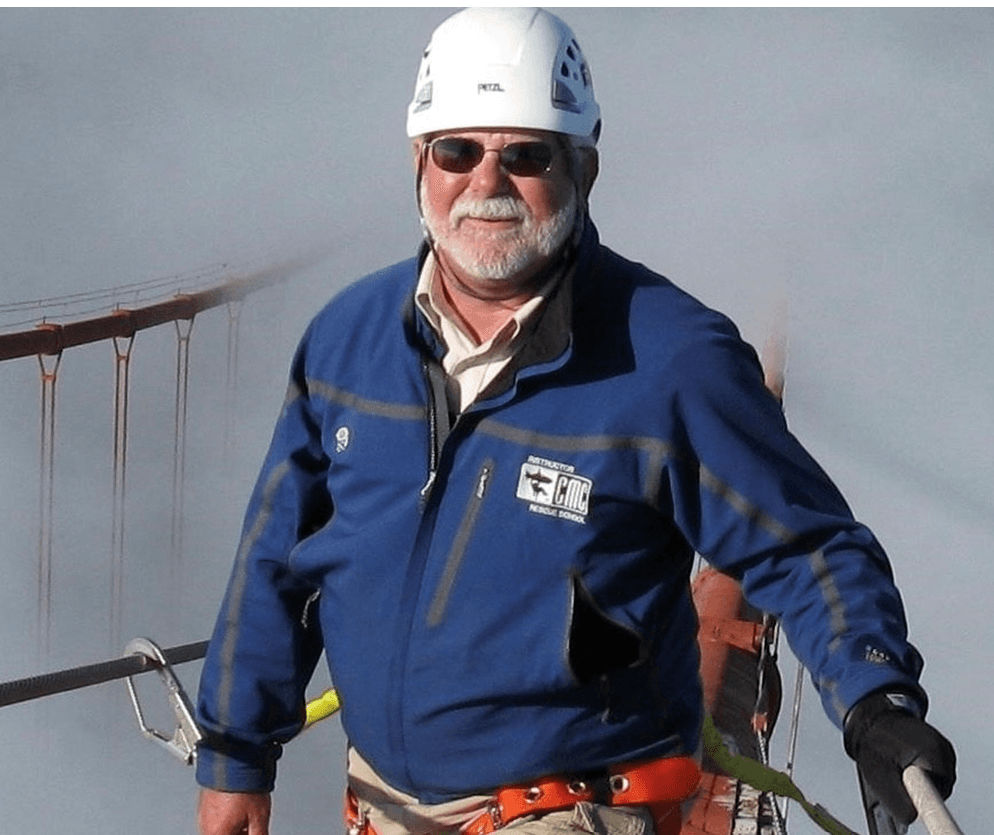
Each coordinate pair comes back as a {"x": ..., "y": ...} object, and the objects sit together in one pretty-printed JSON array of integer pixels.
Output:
[
  {"x": 422, "y": 101},
  {"x": 563, "y": 98}
]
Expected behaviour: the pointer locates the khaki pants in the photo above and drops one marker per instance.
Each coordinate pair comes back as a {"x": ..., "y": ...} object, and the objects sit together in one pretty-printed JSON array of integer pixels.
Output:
[
  {"x": 391, "y": 812},
  {"x": 586, "y": 817}
]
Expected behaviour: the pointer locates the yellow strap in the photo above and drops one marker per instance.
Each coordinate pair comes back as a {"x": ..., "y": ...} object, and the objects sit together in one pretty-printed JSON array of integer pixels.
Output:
[{"x": 322, "y": 707}]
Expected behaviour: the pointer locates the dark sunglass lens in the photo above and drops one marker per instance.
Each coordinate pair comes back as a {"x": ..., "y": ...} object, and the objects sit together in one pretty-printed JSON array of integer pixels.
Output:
[
  {"x": 527, "y": 159},
  {"x": 456, "y": 155}
]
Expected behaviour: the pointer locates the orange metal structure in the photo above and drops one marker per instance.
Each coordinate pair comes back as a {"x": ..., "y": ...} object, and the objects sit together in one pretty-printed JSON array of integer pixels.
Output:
[
  {"x": 742, "y": 694},
  {"x": 51, "y": 338}
]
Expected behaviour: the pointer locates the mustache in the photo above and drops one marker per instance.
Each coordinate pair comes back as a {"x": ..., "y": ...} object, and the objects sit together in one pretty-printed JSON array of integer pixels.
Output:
[{"x": 490, "y": 208}]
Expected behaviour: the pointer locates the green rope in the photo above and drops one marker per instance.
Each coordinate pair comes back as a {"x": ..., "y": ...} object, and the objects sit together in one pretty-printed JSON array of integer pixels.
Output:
[{"x": 765, "y": 779}]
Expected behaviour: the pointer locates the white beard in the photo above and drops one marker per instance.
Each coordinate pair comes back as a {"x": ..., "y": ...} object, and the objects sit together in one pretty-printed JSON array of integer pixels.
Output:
[{"x": 500, "y": 255}]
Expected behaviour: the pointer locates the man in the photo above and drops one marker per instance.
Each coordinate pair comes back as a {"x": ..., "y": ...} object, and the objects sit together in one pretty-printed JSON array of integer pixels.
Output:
[{"x": 492, "y": 470}]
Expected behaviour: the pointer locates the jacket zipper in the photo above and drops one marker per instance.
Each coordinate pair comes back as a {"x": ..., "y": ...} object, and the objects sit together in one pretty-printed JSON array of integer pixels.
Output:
[
  {"x": 432, "y": 453},
  {"x": 438, "y": 422},
  {"x": 459, "y": 545}
]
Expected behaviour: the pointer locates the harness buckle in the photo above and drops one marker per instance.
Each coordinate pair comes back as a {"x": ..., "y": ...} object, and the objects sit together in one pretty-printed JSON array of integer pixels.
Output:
[{"x": 358, "y": 826}]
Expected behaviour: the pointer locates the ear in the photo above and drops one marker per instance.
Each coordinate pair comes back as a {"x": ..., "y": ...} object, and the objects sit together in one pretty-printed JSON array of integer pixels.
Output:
[
  {"x": 416, "y": 147},
  {"x": 589, "y": 168}
]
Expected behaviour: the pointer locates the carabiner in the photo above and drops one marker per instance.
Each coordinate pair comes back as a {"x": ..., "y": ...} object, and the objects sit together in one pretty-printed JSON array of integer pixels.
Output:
[{"x": 183, "y": 743}]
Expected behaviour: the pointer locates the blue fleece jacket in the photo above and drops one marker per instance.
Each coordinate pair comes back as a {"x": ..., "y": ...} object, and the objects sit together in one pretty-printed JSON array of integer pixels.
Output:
[{"x": 504, "y": 594}]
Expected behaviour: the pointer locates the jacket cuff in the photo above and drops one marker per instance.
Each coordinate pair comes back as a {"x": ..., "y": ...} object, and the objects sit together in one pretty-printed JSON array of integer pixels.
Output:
[
  {"x": 887, "y": 700},
  {"x": 244, "y": 771},
  {"x": 862, "y": 680}
]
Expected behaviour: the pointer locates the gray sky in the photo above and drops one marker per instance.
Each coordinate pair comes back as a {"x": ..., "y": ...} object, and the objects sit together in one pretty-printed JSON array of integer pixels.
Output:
[{"x": 838, "y": 159}]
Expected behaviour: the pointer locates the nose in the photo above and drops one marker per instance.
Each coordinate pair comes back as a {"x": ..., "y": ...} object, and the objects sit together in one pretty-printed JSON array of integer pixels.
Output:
[{"x": 489, "y": 177}]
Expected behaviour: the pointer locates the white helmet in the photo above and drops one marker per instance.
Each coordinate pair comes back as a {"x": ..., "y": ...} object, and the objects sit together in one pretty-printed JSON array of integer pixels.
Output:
[{"x": 504, "y": 67}]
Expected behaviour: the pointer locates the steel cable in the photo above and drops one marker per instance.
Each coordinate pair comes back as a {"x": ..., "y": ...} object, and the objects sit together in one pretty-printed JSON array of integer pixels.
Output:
[{"x": 62, "y": 681}]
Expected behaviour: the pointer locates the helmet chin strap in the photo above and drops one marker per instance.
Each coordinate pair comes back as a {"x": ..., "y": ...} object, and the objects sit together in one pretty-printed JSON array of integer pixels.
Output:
[
  {"x": 425, "y": 231},
  {"x": 419, "y": 175}
]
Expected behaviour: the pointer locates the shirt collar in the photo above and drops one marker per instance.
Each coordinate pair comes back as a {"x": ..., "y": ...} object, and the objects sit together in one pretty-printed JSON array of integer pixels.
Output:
[{"x": 436, "y": 310}]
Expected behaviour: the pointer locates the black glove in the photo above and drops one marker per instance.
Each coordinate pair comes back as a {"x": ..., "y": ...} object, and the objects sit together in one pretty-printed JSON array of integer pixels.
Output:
[{"x": 884, "y": 736}]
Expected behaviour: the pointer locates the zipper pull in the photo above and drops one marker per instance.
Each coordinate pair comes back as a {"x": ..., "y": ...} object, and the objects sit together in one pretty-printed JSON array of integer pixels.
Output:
[
  {"x": 481, "y": 486},
  {"x": 428, "y": 485}
]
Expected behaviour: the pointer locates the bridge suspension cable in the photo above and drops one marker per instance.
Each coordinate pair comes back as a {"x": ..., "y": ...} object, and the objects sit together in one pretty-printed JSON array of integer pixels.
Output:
[
  {"x": 50, "y": 337},
  {"x": 231, "y": 376},
  {"x": 122, "y": 366},
  {"x": 48, "y": 340},
  {"x": 49, "y": 367},
  {"x": 85, "y": 303},
  {"x": 184, "y": 329}
]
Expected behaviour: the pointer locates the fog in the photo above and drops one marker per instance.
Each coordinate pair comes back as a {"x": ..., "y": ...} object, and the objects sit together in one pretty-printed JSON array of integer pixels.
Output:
[{"x": 835, "y": 163}]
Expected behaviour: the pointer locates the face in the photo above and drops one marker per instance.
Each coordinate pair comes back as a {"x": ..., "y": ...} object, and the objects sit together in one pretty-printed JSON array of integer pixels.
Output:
[{"x": 494, "y": 226}]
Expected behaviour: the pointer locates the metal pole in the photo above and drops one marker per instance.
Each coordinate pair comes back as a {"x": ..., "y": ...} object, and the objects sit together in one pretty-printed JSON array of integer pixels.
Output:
[{"x": 934, "y": 813}]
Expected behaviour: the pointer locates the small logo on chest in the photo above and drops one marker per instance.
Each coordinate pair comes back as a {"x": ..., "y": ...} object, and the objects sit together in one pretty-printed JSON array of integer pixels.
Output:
[{"x": 554, "y": 489}]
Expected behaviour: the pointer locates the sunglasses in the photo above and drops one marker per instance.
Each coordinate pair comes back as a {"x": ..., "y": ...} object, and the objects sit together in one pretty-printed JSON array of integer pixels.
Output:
[{"x": 520, "y": 159}]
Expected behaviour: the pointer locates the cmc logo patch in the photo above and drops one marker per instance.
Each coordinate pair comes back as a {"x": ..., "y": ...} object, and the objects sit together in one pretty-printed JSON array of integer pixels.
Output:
[{"x": 554, "y": 489}]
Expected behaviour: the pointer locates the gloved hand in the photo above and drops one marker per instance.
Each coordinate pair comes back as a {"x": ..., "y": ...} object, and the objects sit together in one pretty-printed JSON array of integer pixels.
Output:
[{"x": 884, "y": 736}]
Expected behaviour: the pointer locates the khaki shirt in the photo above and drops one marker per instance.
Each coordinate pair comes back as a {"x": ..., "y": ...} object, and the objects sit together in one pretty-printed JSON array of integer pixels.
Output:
[{"x": 470, "y": 367}]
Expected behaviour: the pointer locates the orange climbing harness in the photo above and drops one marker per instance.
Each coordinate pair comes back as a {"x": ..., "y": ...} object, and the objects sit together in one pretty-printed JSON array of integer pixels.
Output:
[{"x": 660, "y": 785}]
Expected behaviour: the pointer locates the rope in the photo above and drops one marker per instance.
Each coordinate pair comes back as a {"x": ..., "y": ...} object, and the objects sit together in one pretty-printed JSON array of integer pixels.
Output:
[
  {"x": 37, "y": 687},
  {"x": 795, "y": 722},
  {"x": 763, "y": 730},
  {"x": 936, "y": 817}
]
